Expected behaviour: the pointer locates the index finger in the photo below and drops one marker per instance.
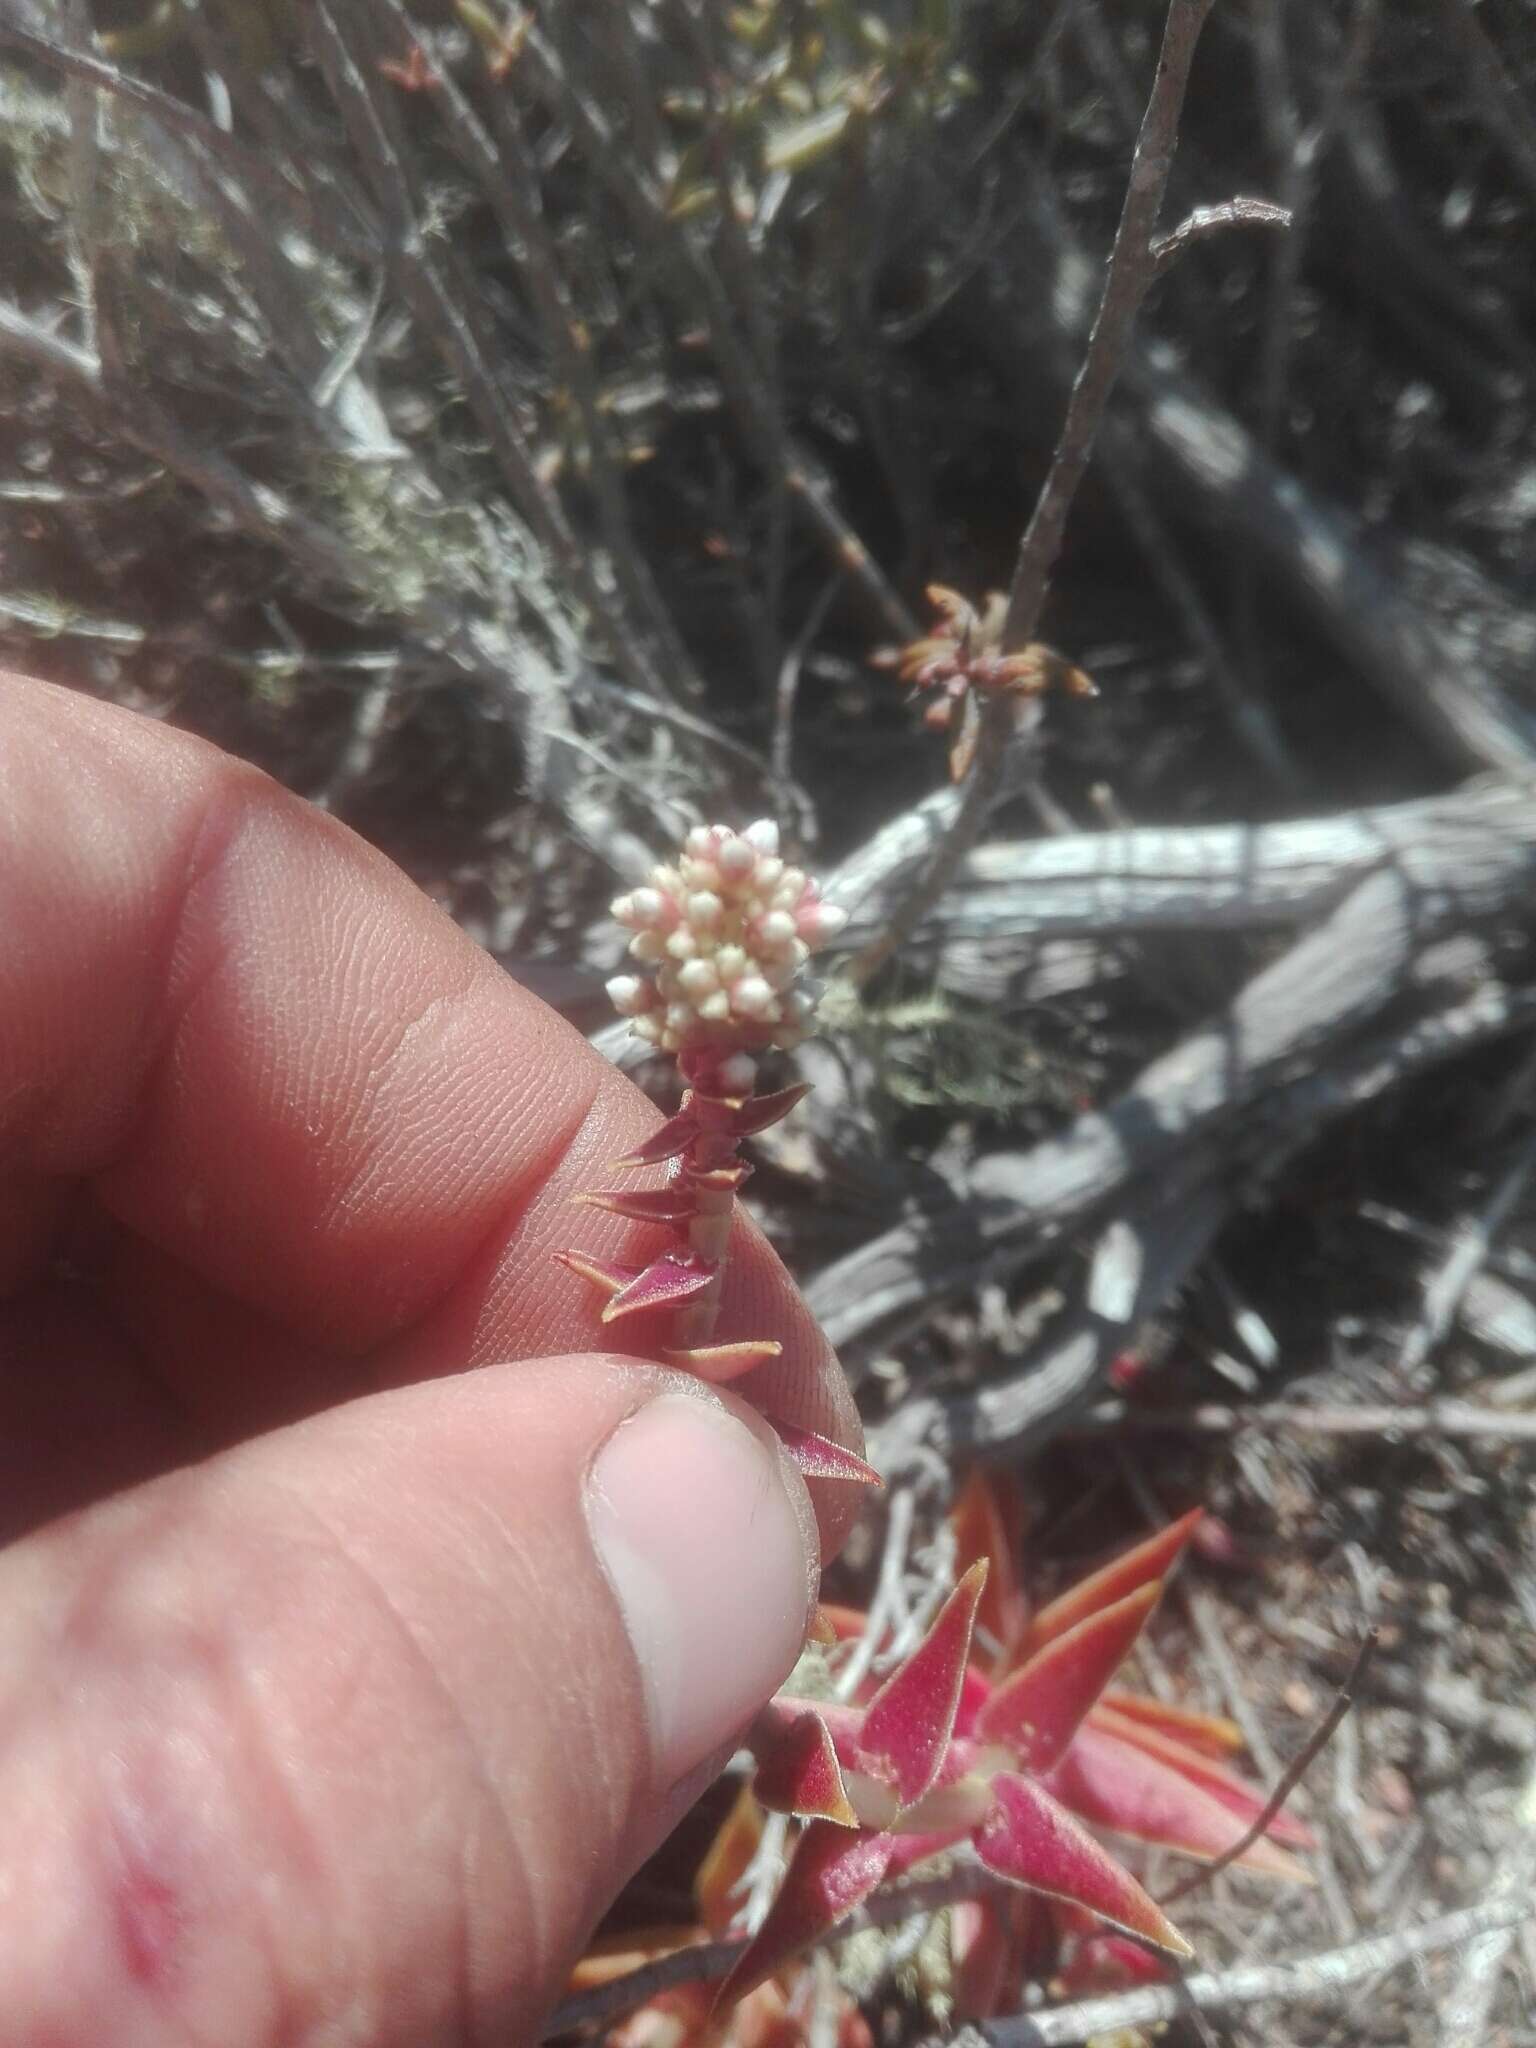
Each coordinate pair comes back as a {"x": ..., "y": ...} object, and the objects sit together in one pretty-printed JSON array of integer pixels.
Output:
[{"x": 277, "y": 1062}]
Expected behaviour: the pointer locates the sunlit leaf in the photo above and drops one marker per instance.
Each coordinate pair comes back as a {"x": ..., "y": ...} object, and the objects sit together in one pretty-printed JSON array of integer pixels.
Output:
[
  {"x": 1036, "y": 1712},
  {"x": 1117, "y": 1786},
  {"x": 800, "y": 1774},
  {"x": 1031, "y": 1839},
  {"x": 819, "y": 1458},
  {"x": 832, "y": 1871},
  {"x": 909, "y": 1721},
  {"x": 665, "y": 1283},
  {"x": 672, "y": 1138},
  {"x": 760, "y": 1111},
  {"x": 1136, "y": 1567},
  {"x": 1239, "y": 1797},
  {"x": 1211, "y": 1734}
]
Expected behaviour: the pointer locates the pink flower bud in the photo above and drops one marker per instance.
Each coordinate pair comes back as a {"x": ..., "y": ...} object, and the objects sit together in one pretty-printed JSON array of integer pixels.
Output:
[{"x": 819, "y": 922}]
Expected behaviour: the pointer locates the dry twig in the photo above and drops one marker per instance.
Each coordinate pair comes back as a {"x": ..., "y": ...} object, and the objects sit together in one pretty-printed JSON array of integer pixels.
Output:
[
  {"x": 1308, "y": 1980},
  {"x": 1290, "y": 1778},
  {"x": 1131, "y": 271}
]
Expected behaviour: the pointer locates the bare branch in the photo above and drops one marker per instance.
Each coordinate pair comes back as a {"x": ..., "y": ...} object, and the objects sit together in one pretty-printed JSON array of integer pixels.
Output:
[
  {"x": 1290, "y": 1778},
  {"x": 1279, "y": 1418},
  {"x": 711, "y": 1959},
  {"x": 180, "y": 119},
  {"x": 1315, "y": 1979},
  {"x": 1465, "y": 2016},
  {"x": 1206, "y": 221},
  {"x": 1132, "y": 269}
]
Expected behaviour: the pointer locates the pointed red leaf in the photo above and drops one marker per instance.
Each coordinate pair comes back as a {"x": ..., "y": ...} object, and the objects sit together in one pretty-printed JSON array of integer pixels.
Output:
[
  {"x": 762, "y": 1110},
  {"x": 1108, "y": 1962},
  {"x": 799, "y": 1773},
  {"x": 819, "y": 1458},
  {"x": 1113, "y": 1784},
  {"x": 1036, "y": 1712},
  {"x": 980, "y": 1950},
  {"x": 1235, "y": 1793},
  {"x": 1122, "y": 1575},
  {"x": 718, "y": 1363},
  {"x": 1032, "y": 1840},
  {"x": 608, "y": 1274},
  {"x": 674, "y": 1136},
  {"x": 833, "y": 1871},
  {"x": 1211, "y": 1734},
  {"x": 672, "y": 1204},
  {"x": 666, "y": 1282},
  {"x": 988, "y": 1521},
  {"x": 910, "y": 1720}
]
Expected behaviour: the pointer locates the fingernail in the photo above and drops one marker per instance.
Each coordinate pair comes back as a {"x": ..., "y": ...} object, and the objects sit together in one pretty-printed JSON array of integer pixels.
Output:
[{"x": 711, "y": 1561}]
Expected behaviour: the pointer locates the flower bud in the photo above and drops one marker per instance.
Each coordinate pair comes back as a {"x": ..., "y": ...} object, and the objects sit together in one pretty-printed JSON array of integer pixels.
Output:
[
  {"x": 735, "y": 859},
  {"x": 629, "y": 995}
]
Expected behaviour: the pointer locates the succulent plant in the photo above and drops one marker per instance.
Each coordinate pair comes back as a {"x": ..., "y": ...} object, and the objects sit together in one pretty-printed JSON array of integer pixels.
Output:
[{"x": 722, "y": 935}]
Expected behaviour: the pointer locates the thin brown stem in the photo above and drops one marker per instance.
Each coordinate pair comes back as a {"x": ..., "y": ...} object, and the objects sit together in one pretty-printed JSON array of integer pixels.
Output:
[
  {"x": 1133, "y": 267},
  {"x": 1131, "y": 271},
  {"x": 1290, "y": 1778},
  {"x": 710, "y": 1959}
]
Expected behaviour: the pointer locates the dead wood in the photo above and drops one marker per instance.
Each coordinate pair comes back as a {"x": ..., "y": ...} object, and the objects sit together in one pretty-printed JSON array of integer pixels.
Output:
[
  {"x": 1305, "y": 1005},
  {"x": 1103, "y": 885}
]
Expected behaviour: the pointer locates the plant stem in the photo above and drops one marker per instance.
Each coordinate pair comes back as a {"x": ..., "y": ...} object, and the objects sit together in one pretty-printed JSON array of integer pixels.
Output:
[{"x": 1134, "y": 263}]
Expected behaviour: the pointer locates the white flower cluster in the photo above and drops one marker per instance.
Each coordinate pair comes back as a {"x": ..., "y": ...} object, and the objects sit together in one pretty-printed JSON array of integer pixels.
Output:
[{"x": 726, "y": 929}]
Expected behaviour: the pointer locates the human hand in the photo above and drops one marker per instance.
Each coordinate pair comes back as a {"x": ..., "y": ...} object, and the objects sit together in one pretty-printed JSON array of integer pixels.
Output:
[{"x": 346, "y": 1720}]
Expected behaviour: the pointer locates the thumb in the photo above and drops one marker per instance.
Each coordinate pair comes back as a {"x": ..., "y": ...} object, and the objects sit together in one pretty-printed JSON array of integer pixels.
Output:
[{"x": 351, "y": 1733}]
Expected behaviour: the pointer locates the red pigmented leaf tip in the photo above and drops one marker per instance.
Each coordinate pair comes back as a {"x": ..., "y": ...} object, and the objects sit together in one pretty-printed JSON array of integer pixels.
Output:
[
  {"x": 761, "y": 1111},
  {"x": 666, "y": 1282},
  {"x": 673, "y": 1138},
  {"x": 800, "y": 1774},
  {"x": 1032, "y": 1840},
  {"x": 1037, "y": 1711},
  {"x": 1136, "y": 1567},
  {"x": 910, "y": 1720},
  {"x": 819, "y": 1458},
  {"x": 833, "y": 1871},
  {"x": 1210, "y": 1734}
]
